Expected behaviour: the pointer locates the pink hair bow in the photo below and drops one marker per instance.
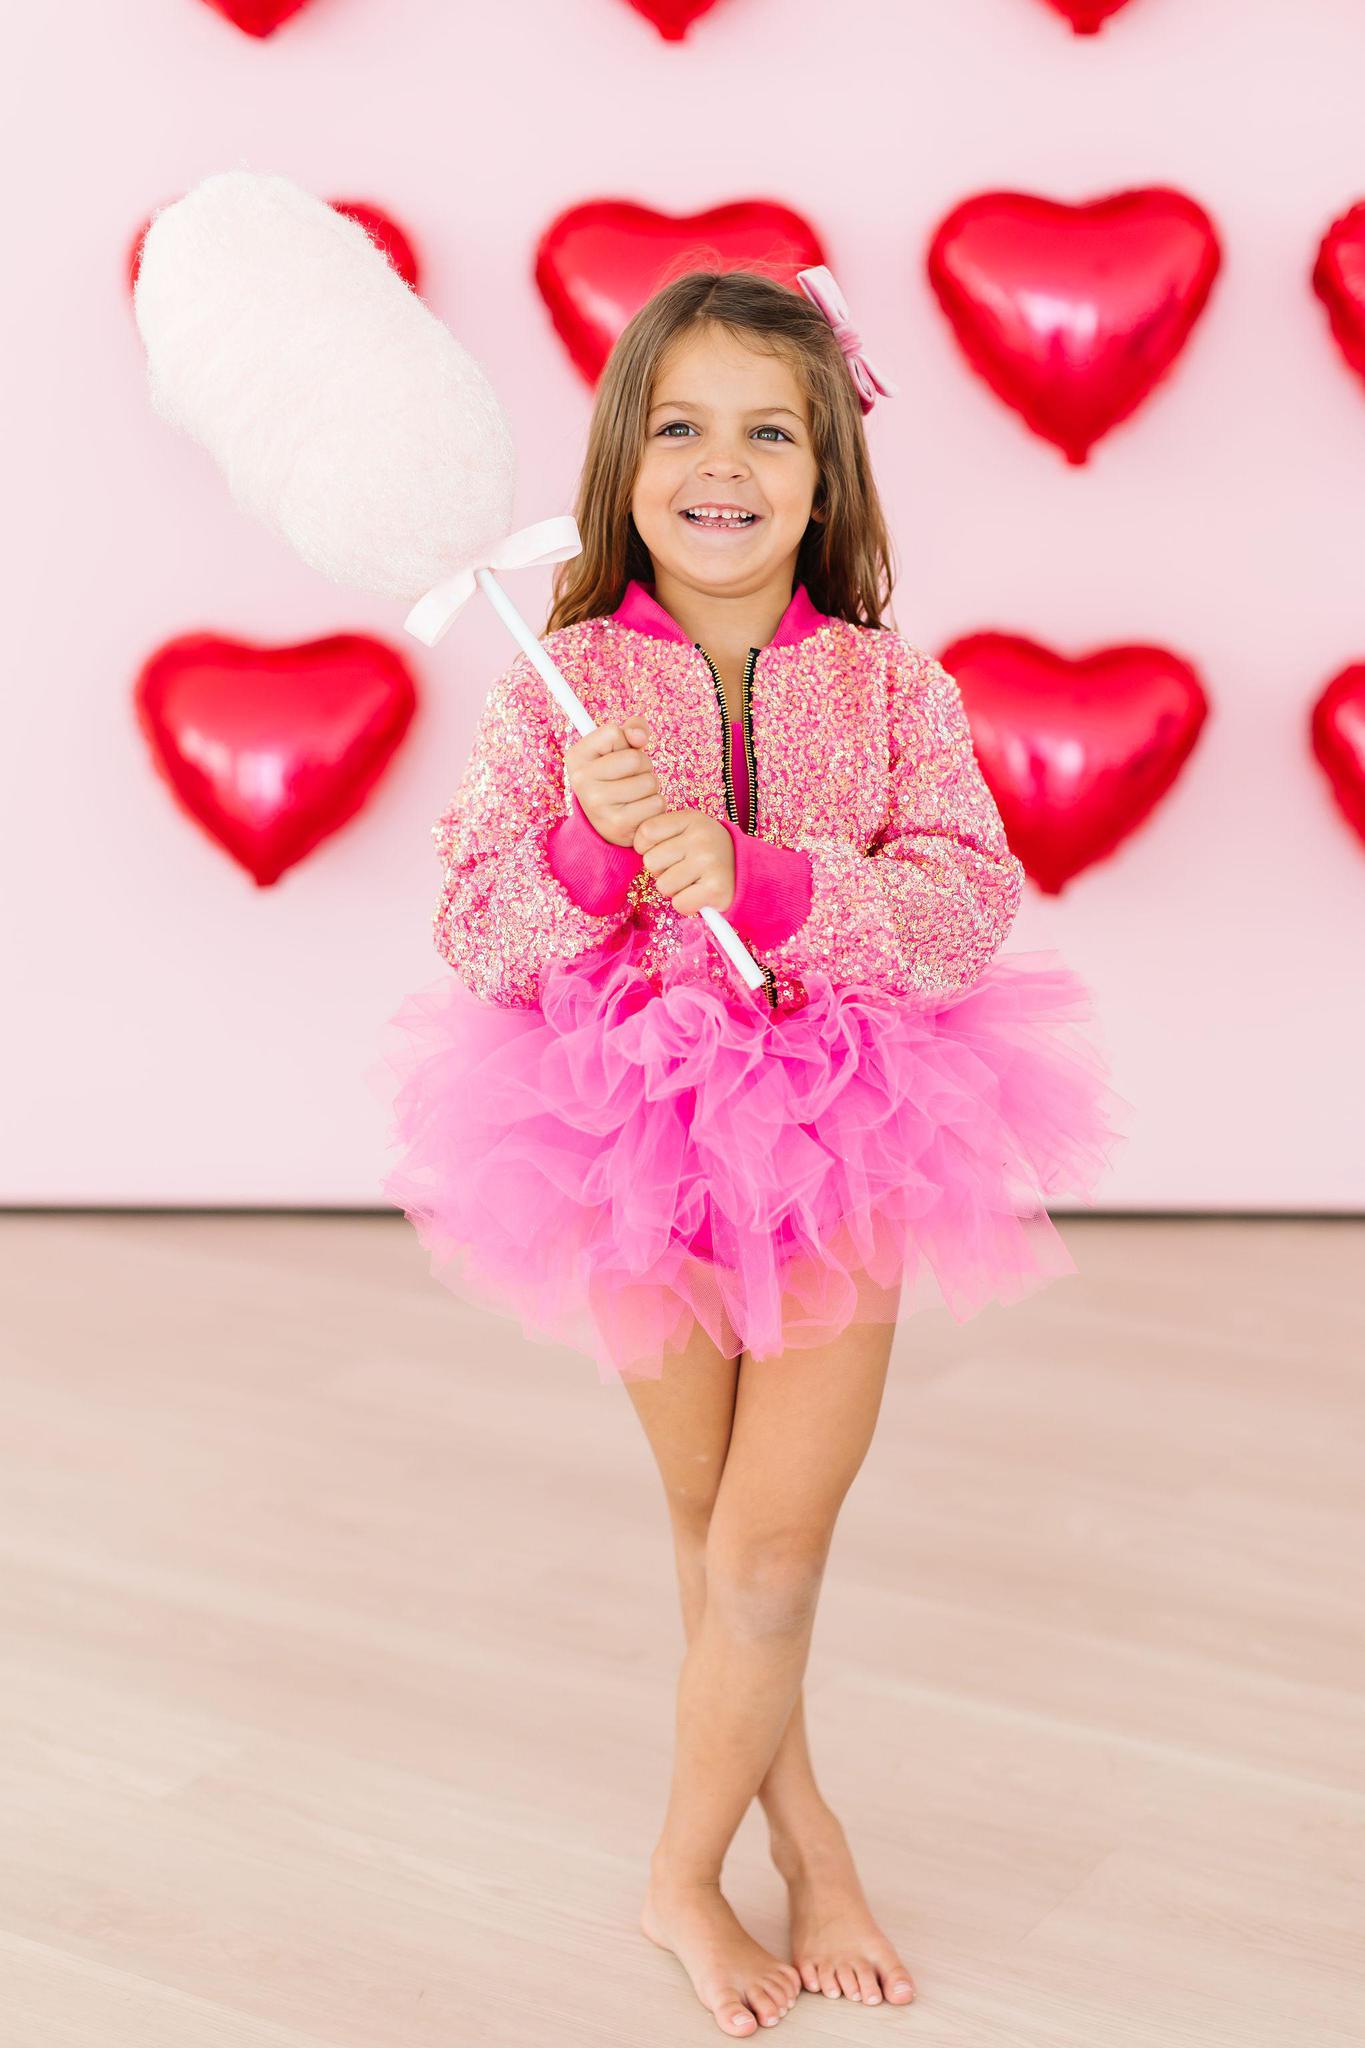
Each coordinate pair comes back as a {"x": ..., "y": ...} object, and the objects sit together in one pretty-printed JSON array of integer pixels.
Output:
[{"x": 819, "y": 286}]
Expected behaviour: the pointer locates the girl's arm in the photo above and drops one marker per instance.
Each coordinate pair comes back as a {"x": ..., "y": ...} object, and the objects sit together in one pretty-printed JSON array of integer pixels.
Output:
[
  {"x": 932, "y": 900},
  {"x": 772, "y": 883},
  {"x": 596, "y": 872},
  {"x": 504, "y": 912}
]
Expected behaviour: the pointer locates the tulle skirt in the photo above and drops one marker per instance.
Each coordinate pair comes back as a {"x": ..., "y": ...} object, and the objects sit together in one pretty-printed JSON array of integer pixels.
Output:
[{"x": 622, "y": 1162}]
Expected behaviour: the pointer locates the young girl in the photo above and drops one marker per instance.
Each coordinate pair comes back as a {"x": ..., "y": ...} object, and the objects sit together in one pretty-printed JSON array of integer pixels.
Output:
[{"x": 725, "y": 1197}]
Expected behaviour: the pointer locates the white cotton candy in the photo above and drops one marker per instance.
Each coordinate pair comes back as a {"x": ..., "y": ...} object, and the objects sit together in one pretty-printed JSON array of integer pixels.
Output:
[{"x": 341, "y": 410}]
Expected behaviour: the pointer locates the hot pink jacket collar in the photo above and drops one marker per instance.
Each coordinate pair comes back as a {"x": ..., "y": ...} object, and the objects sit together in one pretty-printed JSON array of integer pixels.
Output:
[{"x": 641, "y": 610}]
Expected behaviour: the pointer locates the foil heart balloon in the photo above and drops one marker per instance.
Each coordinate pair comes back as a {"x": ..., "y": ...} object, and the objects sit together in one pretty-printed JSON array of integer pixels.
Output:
[
  {"x": 672, "y": 18},
  {"x": 257, "y": 17},
  {"x": 1087, "y": 17},
  {"x": 1072, "y": 314},
  {"x": 382, "y": 229},
  {"x": 272, "y": 749},
  {"x": 1076, "y": 750},
  {"x": 1339, "y": 281},
  {"x": 597, "y": 264},
  {"x": 1338, "y": 730}
]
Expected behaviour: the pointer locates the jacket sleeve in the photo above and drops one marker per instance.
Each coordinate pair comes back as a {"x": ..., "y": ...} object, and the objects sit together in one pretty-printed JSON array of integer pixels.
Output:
[
  {"x": 596, "y": 872},
  {"x": 926, "y": 906},
  {"x": 504, "y": 914},
  {"x": 772, "y": 887}
]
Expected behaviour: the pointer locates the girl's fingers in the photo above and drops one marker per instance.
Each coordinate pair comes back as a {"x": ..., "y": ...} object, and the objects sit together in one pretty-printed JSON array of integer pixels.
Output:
[
  {"x": 683, "y": 900},
  {"x": 639, "y": 790},
  {"x": 629, "y": 805},
  {"x": 666, "y": 828},
  {"x": 621, "y": 767},
  {"x": 684, "y": 882},
  {"x": 662, "y": 855},
  {"x": 633, "y": 815},
  {"x": 601, "y": 741},
  {"x": 612, "y": 738}
]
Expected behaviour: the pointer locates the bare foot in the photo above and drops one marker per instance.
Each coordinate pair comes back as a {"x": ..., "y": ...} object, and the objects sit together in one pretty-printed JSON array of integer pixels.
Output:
[
  {"x": 738, "y": 1980},
  {"x": 836, "y": 1944}
]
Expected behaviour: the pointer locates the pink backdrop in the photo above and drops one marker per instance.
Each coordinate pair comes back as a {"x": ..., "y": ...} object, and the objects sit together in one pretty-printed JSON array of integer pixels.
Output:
[{"x": 175, "y": 1034}]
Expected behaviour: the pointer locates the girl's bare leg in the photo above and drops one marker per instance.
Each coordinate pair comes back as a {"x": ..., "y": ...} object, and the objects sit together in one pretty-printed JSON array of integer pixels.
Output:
[
  {"x": 689, "y": 1434},
  {"x": 753, "y": 1518},
  {"x": 687, "y": 1416},
  {"x": 836, "y": 1944}
]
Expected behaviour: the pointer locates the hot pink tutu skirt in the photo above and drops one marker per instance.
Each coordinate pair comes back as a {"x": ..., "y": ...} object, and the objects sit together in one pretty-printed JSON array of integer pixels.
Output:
[{"x": 620, "y": 1163}]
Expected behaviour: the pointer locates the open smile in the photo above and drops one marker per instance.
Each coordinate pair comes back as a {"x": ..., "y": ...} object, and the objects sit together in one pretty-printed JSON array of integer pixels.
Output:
[{"x": 723, "y": 529}]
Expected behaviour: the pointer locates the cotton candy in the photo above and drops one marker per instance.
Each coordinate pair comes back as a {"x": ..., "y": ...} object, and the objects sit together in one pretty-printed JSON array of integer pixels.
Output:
[{"x": 342, "y": 412}]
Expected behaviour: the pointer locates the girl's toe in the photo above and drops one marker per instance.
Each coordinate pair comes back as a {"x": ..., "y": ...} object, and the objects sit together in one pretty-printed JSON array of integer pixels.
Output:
[
  {"x": 847, "y": 1979},
  {"x": 780, "y": 1992},
  {"x": 768, "y": 2008},
  {"x": 868, "y": 1985},
  {"x": 899, "y": 1988}
]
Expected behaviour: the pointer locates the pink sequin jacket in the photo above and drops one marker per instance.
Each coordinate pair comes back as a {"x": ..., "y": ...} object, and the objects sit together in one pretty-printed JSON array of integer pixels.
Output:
[{"x": 867, "y": 843}]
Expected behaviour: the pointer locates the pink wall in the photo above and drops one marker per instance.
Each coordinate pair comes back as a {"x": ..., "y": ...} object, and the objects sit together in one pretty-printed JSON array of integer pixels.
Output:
[{"x": 175, "y": 1034}]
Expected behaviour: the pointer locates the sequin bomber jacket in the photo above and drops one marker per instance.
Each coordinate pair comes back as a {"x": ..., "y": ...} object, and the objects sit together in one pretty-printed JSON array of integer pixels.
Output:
[{"x": 867, "y": 843}]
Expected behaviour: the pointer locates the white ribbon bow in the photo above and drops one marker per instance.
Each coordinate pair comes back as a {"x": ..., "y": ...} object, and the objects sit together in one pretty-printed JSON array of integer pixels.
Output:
[{"x": 549, "y": 540}]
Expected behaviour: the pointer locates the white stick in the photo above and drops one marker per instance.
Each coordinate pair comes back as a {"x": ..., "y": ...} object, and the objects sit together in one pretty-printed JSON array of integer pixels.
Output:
[{"x": 572, "y": 705}]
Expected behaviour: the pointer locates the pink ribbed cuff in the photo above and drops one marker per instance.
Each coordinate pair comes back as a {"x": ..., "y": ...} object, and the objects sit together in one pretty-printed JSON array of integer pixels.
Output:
[
  {"x": 772, "y": 888},
  {"x": 596, "y": 872}
]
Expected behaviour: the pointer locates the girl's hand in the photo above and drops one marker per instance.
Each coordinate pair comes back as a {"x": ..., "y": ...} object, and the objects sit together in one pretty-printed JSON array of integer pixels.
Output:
[
  {"x": 690, "y": 856},
  {"x": 613, "y": 779}
]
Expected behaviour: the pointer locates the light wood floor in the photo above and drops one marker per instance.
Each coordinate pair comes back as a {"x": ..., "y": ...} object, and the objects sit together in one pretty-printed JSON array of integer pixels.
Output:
[{"x": 339, "y": 1639}]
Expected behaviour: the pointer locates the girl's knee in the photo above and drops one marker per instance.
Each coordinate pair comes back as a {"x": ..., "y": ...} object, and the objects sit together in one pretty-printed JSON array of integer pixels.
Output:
[
  {"x": 690, "y": 1514},
  {"x": 765, "y": 1584},
  {"x": 692, "y": 1489}
]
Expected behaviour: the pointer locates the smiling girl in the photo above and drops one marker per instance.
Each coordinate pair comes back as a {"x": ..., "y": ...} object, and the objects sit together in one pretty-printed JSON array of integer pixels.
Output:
[{"x": 724, "y": 1197}]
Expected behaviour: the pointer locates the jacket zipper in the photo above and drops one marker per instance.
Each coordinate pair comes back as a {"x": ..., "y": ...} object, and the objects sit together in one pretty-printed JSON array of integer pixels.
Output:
[{"x": 747, "y": 730}]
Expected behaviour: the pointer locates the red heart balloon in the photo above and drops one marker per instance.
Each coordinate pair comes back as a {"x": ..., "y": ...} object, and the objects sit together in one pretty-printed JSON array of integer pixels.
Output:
[
  {"x": 272, "y": 749},
  {"x": 1339, "y": 281},
  {"x": 1087, "y": 17},
  {"x": 597, "y": 264},
  {"x": 1339, "y": 741},
  {"x": 1076, "y": 750},
  {"x": 1073, "y": 313},
  {"x": 381, "y": 227},
  {"x": 672, "y": 18},
  {"x": 258, "y": 17}
]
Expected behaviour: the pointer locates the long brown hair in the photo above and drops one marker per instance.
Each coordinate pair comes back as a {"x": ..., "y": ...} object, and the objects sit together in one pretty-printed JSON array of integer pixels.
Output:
[{"x": 845, "y": 558}]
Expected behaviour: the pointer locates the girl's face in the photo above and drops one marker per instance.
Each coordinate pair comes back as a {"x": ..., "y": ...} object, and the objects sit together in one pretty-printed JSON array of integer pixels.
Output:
[{"x": 728, "y": 427}]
